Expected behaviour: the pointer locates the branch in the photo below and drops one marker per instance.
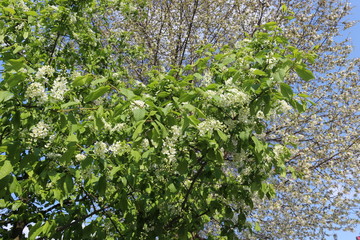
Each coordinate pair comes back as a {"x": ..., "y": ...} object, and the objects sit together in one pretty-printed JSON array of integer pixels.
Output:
[
  {"x": 61, "y": 228},
  {"x": 196, "y": 176}
]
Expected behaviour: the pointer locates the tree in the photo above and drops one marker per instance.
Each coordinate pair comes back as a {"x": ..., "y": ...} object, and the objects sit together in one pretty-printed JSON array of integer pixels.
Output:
[
  {"x": 327, "y": 135},
  {"x": 88, "y": 152}
]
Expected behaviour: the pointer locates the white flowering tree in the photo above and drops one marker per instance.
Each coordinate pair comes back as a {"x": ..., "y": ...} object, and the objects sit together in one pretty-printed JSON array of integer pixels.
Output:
[
  {"x": 327, "y": 135},
  {"x": 89, "y": 152}
]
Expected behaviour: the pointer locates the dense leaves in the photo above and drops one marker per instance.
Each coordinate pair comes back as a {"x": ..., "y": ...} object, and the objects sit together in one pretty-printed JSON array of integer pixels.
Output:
[{"x": 89, "y": 152}]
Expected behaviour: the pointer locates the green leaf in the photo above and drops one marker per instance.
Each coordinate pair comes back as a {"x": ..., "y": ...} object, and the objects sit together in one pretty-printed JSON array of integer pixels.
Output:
[
  {"x": 100, "y": 80},
  {"x": 15, "y": 187},
  {"x": 284, "y": 8},
  {"x": 304, "y": 73},
  {"x": 127, "y": 93},
  {"x": 257, "y": 227},
  {"x": 66, "y": 157},
  {"x": 259, "y": 72},
  {"x": 66, "y": 105},
  {"x": 31, "y": 13},
  {"x": 138, "y": 130},
  {"x": 35, "y": 231},
  {"x": 163, "y": 94},
  {"x": 18, "y": 49},
  {"x": 9, "y": 10},
  {"x": 5, "y": 95},
  {"x": 96, "y": 93},
  {"x": 15, "y": 64},
  {"x": 139, "y": 114},
  {"x": 16, "y": 205},
  {"x": 286, "y": 90},
  {"x": 229, "y": 59},
  {"x": 68, "y": 184},
  {"x": 5, "y": 169},
  {"x": 172, "y": 188},
  {"x": 136, "y": 155},
  {"x": 82, "y": 80},
  {"x": 222, "y": 135},
  {"x": 101, "y": 185},
  {"x": 26, "y": 35},
  {"x": 71, "y": 138}
]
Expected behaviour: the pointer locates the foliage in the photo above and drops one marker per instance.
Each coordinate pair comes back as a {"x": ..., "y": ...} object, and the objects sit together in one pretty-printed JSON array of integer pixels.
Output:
[
  {"x": 327, "y": 134},
  {"x": 87, "y": 152}
]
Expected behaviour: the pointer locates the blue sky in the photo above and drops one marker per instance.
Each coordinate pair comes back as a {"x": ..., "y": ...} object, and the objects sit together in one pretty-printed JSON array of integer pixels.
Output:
[{"x": 354, "y": 32}]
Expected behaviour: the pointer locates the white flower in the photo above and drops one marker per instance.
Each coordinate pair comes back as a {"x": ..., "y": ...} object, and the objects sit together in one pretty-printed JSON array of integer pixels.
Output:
[
  {"x": 260, "y": 115},
  {"x": 119, "y": 148},
  {"x": 44, "y": 71},
  {"x": 36, "y": 90},
  {"x": 229, "y": 82},
  {"x": 145, "y": 143},
  {"x": 176, "y": 131},
  {"x": 283, "y": 106},
  {"x": 279, "y": 151},
  {"x": 229, "y": 97},
  {"x": 100, "y": 149},
  {"x": 117, "y": 127},
  {"x": 208, "y": 126},
  {"x": 50, "y": 141},
  {"x": 59, "y": 88},
  {"x": 80, "y": 156},
  {"x": 207, "y": 78},
  {"x": 170, "y": 142},
  {"x": 20, "y": 26},
  {"x": 40, "y": 130},
  {"x": 137, "y": 104}
]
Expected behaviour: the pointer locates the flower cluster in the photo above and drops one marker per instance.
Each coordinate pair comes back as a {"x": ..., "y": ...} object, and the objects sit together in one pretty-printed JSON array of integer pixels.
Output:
[
  {"x": 40, "y": 130},
  {"x": 279, "y": 151},
  {"x": 44, "y": 71},
  {"x": 59, "y": 88},
  {"x": 137, "y": 104},
  {"x": 80, "y": 157},
  {"x": 208, "y": 126},
  {"x": 118, "y": 127},
  {"x": 169, "y": 144},
  {"x": 283, "y": 106},
  {"x": 229, "y": 97},
  {"x": 119, "y": 148},
  {"x": 36, "y": 91},
  {"x": 100, "y": 149}
]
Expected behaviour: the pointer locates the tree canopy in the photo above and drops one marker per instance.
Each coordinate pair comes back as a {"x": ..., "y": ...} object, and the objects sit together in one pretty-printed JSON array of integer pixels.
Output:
[{"x": 173, "y": 119}]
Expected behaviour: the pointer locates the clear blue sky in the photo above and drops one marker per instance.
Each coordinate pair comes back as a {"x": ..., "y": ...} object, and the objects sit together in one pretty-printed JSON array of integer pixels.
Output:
[{"x": 354, "y": 34}]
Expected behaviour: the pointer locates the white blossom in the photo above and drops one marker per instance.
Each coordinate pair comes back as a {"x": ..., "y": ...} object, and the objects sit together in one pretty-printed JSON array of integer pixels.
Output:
[
  {"x": 36, "y": 91},
  {"x": 44, "y": 71},
  {"x": 119, "y": 148},
  {"x": 40, "y": 130},
  {"x": 79, "y": 157},
  {"x": 118, "y": 127},
  {"x": 169, "y": 145},
  {"x": 100, "y": 149},
  {"x": 137, "y": 104},
  {"x": 208, "y": 126},
  {"x": 260, "y": 115},
  {"x": 59, "y": 88},
  {"x": 145, "y": 143},
  {"x": 283, "y": 106},
  {"x": 279, "y": 151}
]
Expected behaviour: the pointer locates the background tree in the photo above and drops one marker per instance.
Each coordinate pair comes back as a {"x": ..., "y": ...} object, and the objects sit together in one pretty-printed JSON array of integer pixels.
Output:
[
  {"x": 327, "y": 135},
  {"x": 88, "y": 152}
]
